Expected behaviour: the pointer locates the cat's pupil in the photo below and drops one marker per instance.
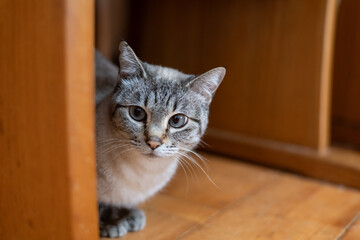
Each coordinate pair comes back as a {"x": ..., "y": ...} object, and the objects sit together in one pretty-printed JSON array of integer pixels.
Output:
[
  {"x": 176, "y": 119},
  {"x": 138, "y": 112}
]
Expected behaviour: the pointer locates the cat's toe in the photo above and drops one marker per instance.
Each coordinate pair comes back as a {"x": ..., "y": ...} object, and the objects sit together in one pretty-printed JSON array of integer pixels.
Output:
[
  {"x": 115, "y": 231},
  {"x": 136, "y": 220}
]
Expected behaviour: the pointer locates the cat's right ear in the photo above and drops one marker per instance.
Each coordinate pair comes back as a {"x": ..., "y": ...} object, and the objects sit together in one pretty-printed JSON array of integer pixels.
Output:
[
  {"x": 207, "y": 83},
  {"x": 130, "y": 64}
]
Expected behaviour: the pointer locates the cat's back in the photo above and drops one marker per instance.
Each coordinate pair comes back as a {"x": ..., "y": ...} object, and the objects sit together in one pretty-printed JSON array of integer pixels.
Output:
[{"x": 106, "y": 76}]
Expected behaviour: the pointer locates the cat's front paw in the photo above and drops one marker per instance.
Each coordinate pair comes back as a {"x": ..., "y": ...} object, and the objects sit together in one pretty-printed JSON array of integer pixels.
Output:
[{"x": 134, "y": 221}]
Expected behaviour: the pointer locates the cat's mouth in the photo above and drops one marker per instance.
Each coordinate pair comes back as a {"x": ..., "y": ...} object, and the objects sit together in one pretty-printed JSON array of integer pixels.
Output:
[
  {"x": 155, "y": 155},
  {"x": 152, "y": 155}
]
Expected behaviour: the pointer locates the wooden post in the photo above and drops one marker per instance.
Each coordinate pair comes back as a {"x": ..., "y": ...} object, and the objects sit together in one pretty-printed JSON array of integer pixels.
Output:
[{"x": 47, "y": 163}]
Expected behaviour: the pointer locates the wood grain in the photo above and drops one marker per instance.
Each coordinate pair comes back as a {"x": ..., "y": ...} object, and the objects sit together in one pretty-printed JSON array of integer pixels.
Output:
[
  {"x": 47, "y": 174},
  {"x": 352, "y": 232},
  {"x": 278, "y": 206},
  {"x": 186, "y": 209},
  {"x": 287, "y": 209},
  {"x": 277, "y": 55},
  {"x": 80, "y": 117},
  {"x": 346, "y": 90}
]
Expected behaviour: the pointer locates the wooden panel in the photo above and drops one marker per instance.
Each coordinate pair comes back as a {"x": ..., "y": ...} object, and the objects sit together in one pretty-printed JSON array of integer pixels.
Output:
[
  {"x": 47, "y": 174},
  {"x": 346, "y": 90},
  {"x": 111, "y": 24},
  {"x": 278, "y": 206},
  {"x": 277, "y": 54}
]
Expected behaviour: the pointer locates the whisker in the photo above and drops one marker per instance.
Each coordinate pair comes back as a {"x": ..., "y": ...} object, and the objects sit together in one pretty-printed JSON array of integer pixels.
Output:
[
  {"x": 110, "y": 143},
  {"x": 186, "y": 176},
  {"x": 199, "y": 166},
  {"x": 203, "y": 159},
  {"x": 112, "y": 140},
  {"x": 204, "y": 143},
  {"x": 125, "y": 151},
  {"x": 192, "y": 171},
  {"x": 113, "y": 148}
]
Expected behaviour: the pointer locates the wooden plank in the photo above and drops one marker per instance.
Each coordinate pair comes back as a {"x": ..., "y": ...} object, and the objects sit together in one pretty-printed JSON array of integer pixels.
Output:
[
  {"x": 263, "y": 220},
  {"x": 346, "y": 97},
  {"x": 189, "y": 210},
  {"x": 47, "y": 174},
  {"x": 288, "y": 208},
  {"x": 225, "y": 191},
  {"x": 257, "y": 214},
  {"x": 277, "y": 54}
]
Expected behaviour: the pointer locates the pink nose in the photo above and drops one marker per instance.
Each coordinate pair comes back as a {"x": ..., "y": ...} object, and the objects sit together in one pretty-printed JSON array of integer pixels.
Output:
[{"x": 153, "y": 142}]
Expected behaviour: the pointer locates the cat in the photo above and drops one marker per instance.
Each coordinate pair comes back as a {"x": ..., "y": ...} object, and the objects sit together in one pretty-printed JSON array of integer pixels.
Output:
[{"x": 147, "y": 117}]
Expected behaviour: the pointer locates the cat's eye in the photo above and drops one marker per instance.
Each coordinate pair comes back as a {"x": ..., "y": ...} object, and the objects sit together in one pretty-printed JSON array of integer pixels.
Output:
[
  {"x": 178, "y": 120},
  {"x": 137, "y": 113}
]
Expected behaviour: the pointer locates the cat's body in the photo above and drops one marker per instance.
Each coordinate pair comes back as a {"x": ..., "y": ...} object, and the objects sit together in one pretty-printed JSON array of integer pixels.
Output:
[{"x": 147, "y": 117}]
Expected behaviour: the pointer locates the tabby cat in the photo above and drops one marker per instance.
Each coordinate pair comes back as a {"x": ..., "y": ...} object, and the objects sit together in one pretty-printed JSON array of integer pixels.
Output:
[{"x": 147, "y": 118}]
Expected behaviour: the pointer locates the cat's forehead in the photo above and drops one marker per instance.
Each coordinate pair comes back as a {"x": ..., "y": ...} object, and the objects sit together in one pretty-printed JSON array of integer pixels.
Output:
[
  {"x": 146, "y": 91},
  {"x": 159, "y": 73},
  {"x": 159, "y": 96},
  {"x": 163, "y": 91}
]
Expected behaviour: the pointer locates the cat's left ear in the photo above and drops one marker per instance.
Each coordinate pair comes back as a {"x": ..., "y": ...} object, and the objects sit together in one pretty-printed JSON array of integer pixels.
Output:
[
  {"x": 207, "y": 83},
  {"x": 130, "y": 64}
]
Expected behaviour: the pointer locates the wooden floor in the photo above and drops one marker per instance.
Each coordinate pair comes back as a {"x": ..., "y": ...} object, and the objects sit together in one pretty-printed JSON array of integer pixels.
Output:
[{"x": 250, "y": 202}]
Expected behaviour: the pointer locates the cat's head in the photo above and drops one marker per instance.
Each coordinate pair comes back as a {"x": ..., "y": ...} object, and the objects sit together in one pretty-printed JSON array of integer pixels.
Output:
[{"x": 161, "y": 111}]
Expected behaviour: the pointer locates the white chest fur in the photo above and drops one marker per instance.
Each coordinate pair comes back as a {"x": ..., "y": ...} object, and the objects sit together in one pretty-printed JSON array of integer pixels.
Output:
[{"x": 133, "y": 178}]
